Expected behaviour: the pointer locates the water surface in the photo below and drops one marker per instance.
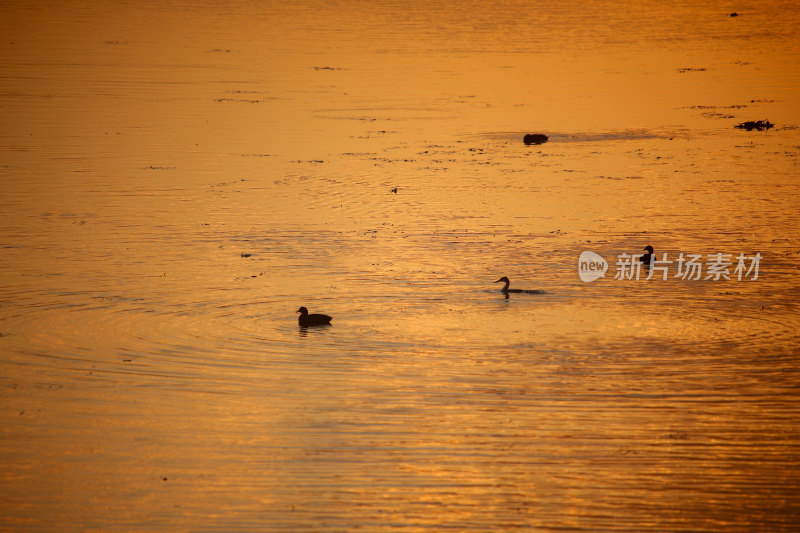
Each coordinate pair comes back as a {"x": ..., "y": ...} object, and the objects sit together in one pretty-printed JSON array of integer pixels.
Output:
[{"x": 178, "y": 178}]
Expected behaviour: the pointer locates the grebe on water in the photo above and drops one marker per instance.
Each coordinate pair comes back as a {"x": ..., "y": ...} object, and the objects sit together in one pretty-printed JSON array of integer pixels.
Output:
[
  {"x": 649, "y": 256},
  {"x": 506, "y": 290}
]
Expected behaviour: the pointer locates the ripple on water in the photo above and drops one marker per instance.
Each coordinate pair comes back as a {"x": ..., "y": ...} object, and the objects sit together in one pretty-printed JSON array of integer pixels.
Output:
[{"x": 151, "y": 273}]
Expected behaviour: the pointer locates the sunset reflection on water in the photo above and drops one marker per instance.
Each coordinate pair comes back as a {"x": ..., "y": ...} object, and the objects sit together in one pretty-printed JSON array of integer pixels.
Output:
[{"x": 178, "y": 178}]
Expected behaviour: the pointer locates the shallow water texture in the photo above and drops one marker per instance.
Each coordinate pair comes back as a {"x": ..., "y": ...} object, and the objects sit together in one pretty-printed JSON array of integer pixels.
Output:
[{"x": 179, "y": 178}]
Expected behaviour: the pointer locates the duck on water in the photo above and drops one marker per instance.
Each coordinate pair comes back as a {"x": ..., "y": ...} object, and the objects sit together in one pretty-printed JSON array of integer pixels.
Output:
[
  {"x": 305, "y": 320},
  {"x": 505, "y": 290}
]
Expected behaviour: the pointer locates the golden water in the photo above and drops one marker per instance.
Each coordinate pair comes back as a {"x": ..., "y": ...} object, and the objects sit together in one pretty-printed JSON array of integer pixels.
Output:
[{"x": 178, "y": 178}]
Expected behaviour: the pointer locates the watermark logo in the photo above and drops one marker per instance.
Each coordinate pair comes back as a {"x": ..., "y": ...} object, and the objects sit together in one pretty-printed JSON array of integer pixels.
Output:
[
  {"x": 715, "y": 267},
  {"x": 591, "y": 266}
]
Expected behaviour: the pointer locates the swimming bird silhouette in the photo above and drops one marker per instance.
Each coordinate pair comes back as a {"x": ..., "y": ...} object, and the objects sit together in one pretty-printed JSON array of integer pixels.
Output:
[
  {"x": 506, "y": 290},
  {"x": 649, "y": 256},
  {"x": 305, "y": 320}
]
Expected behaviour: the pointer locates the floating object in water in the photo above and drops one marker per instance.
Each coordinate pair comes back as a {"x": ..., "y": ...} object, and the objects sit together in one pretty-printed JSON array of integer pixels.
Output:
[
  {"x": 394, "y": 190},
  {"x": 305, "y": 320},
  {"x": 649, "y": 256},
  {"x": 758, "y": 125},
  {"x": 535, "y": 138},
  {"x": 506, "y": 290}
]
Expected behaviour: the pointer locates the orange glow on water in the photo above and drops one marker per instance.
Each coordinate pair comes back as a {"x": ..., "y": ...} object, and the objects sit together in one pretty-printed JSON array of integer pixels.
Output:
[{"x": 179, "y": 178}]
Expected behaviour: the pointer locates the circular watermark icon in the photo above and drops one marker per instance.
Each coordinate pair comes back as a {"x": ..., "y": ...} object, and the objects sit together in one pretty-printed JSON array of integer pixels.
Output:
[{"x": 591, "y": 266}]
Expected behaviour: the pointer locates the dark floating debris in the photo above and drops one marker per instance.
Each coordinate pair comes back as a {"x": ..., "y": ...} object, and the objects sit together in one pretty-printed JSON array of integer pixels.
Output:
[
  {"x": 305, "y": 320},
  {"x": 734, "y": 14},
  {"x": 394, "y": 190},
  {"x": 735, "y": 106},
  {"x": 717, "y": 115},
  {"x": 534, "y": 138},
  {"x": 759, "y": 125},
  {"x": 245, "y": 254},
  {"x": 240, "y": 100}
]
